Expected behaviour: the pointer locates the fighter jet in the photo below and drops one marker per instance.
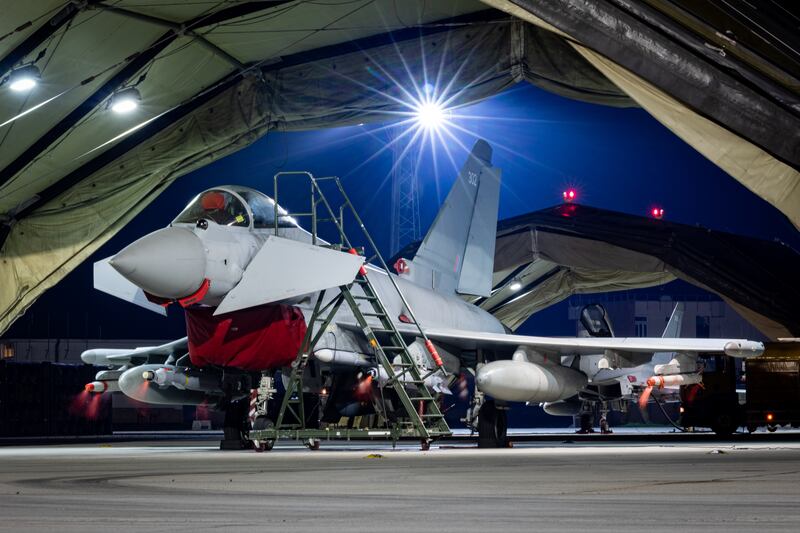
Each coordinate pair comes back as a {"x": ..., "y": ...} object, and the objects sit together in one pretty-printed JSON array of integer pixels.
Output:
[
  {"x": 247, "y": 276},
  {"x": 617, "y": 388}
]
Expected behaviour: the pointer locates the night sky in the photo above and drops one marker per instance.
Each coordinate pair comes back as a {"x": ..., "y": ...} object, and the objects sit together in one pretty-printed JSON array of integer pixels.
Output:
[{"x": 618, "y": 159}]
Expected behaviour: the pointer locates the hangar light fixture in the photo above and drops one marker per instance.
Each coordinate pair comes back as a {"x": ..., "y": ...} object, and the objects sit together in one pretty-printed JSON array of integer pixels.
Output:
[
  {"x": 516, "y": 285},
  {"x": 125, "y": 100},
  {"x": 430, "y": 115},
  {"x": 24, "y": 78}
]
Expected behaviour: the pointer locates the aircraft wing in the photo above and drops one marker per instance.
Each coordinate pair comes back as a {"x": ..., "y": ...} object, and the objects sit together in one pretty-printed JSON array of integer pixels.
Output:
[
  {"x": 115, "y": 356},
  {"x": 596, "y": 345},
  {"x": 470, "y": 340}
]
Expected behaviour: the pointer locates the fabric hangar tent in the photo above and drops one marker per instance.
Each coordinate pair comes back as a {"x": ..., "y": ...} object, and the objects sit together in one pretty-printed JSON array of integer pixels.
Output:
[
  {"x": 571, "y": 249},
  {"x": 213, "y": 76},
  {"x": 544, "y": 257}
]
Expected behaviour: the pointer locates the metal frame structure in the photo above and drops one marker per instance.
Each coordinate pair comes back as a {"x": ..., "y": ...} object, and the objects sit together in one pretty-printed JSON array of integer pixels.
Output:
[
  {"x": 405, "y": 190},
  {"x": 418, "y": 415}
]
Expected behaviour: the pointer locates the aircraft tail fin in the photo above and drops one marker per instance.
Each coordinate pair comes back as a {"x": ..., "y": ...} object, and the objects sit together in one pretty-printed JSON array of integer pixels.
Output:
[
  {"x": 673, "y": 328},
  {"x": 458, "y": 250},
  {"x": 671, "y": 331}
]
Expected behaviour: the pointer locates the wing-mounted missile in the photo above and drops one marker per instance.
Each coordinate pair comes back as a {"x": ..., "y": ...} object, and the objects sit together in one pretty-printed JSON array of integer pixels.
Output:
[
  {"x": 670, "y": 380},
  {"x": 122, "y": 356},
  {"x": 105, "y": 381},
  {"x": 285, "y": 268},
  {"x": 109, "y": 281}
]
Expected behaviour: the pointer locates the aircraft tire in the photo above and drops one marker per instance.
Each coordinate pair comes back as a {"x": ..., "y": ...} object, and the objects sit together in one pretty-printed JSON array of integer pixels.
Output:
[
  {"x": 492, "y": 426},
  {"x": 724, "y": 424},
  {"x": 235, "y": 427}
]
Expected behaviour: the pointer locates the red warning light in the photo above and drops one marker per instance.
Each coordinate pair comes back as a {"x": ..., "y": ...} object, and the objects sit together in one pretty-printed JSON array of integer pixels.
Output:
[
  {"x": 569, "y": 195},
  {"x": 657, "y": 212}
]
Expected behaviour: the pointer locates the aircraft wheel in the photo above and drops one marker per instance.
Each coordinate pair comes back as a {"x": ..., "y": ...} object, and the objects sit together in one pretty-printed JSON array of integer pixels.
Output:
[
  {"x": 586, "y": 422},
  {"x": 425, "y": 445},
  {"x": 492, "y": 426},
  {"x": 312, "y": 444},
  {"x": 265, "y": 445},
  {"x": 725, "y": 425},
  {"x": 235, "y": 427}
]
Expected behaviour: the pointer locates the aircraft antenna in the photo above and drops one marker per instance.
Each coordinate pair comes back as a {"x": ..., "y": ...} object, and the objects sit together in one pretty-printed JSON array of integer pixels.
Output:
[{"x": 405, "y": 189}]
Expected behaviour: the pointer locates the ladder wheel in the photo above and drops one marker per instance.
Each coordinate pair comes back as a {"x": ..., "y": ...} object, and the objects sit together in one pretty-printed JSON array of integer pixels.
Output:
[
  {"x": 425, "y": 445},
  {"x": 263, "y": 445},
  {"x": 260, "y": 423},
  {"x": 312, "y": 444}
]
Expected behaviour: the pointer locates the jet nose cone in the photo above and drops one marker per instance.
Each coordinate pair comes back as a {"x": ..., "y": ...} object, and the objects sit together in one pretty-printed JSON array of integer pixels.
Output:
[{"x": 169, "y": 263}]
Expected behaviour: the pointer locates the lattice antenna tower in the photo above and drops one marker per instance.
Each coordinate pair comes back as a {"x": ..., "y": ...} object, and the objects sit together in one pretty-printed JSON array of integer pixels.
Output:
[{"x": 405, "y": 189}]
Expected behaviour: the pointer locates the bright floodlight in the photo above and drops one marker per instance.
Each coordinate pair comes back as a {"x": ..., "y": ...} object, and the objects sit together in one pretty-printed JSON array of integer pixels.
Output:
[
  {"x": 125, "y": 100},
  {"x": 24, "y": 78},
  {"x": 515, "y": 285},
  {"x": 430, "y": 115}
]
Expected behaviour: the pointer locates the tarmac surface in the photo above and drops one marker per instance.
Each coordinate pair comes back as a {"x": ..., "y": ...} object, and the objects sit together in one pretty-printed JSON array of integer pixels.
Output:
[{"x": 569, "y": 485}]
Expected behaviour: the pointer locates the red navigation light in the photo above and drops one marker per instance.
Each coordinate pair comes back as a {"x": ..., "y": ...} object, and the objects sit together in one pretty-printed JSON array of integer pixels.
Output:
[
  {"x": 657, "y": 212},
  {"x": 569, "y": 195}
]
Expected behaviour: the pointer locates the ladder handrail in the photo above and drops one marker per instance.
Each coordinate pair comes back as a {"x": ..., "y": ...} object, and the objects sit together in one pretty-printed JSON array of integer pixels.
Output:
[{"x": 316, "y": 190}]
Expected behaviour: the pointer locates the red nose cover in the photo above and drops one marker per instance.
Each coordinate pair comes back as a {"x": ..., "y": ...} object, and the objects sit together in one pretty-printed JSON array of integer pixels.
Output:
[{"x": 258, "y": 338}]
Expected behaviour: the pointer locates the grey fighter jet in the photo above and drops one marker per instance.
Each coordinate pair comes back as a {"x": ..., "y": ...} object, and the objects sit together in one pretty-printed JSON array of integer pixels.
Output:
[
  {"x": 247, "y": 276},
  {"x": 617, "y": 388}
]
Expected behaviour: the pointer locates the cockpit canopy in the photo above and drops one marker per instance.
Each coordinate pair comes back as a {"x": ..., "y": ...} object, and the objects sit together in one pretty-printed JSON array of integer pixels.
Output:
[{"x": 235, "y": 206}]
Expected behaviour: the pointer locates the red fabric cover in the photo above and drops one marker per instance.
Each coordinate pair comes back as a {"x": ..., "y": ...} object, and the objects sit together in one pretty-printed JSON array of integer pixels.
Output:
[
  {"x": 213, "y": 200},
  {"x": 259, "y": 338}
]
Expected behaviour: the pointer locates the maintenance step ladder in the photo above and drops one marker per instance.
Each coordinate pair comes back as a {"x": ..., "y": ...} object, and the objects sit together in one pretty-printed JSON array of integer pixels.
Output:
[{"x": 418, "y": 415}]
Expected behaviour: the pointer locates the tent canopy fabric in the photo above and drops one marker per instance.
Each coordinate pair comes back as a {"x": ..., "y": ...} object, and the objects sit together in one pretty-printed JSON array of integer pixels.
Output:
[
  {"x": 616, "y": 251},
  {"x": 216, "y": 76},
  {"x": 575, "y": 249}
]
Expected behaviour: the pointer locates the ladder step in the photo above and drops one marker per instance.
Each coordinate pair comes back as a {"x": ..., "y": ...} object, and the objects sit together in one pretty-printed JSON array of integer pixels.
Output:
[
  {"x": 368, "y": 298},
  {"x": 374, "y": 314},
  {"x": 392, "y": 348},
  {"x": 383, "y": 330}
]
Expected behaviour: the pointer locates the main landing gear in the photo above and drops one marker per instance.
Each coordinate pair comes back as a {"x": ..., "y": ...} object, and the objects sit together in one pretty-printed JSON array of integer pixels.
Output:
[
  {"x": 236, "y": 426},
  {"x": 492, "y": 426},
  {"x": 586, "y": 419}
]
